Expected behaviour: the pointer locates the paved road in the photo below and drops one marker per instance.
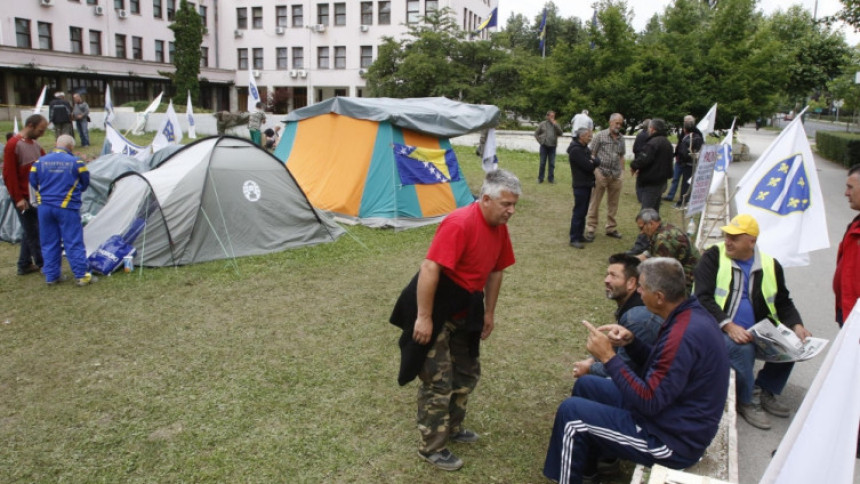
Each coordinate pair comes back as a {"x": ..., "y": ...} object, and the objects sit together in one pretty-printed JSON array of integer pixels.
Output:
[{"x": 810, "y": 288}]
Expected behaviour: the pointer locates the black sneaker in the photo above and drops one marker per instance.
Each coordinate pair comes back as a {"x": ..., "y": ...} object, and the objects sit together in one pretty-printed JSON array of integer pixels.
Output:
[
  {"x": 443, "y": 459},
  {"x": 577, "y": 244},
  {"x": 588, "y": 238},
  {"x": 29, "y": 270},
  {"x": 464, "y": 436}
]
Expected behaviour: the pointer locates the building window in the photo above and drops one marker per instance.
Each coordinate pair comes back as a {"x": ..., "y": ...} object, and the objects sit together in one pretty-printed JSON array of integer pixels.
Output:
[
  {"x": 119, "y": 4},
  {"x": 203, "y": 11},
  {"x": 340, "y": 14},
  {"x": 156, "y": 8},
  {"x": 137, "y": 48},
  {"x": 384, "y": 13},
  {"x": 22, "y": 32},
  {"x": 322, "y": 13},
  {"x": 298, "y": 16},
  {"x": 322, "y": 58},
  {"x": 366, "y": 55},
  {"x": 298, "y": 58},
  {"x": 242, "y": 18},
  {"x": 46, "y": 41},
  {"x": 281, "y": 16},
  {"x": 281, "y": 55},
  {"x": 243, "y": 59},
  {"x": 340, "y": 57},
  {"x": 430, "y": 5},
  {"x": 257, "y": 17},
  {"x": 134, "y": 6},
  {"x": 413, "y": 11},
  {"x": 171, "y": 49},
  {"x": 119, "y": 40},
  {"x": 204, "y": 57},
  {"x": 95, "y": 42},
  {"x": 159, "y": 51},
  {"x": 366, "y": 13},
  {"x": 258, "y": 58},
  {"x": 171, "y": 9},
  {"x": 76, "y": 38}
]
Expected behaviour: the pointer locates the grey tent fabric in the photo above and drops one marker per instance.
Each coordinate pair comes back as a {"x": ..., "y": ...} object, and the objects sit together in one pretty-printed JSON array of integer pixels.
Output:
[
  {"x": 10, "y": 226},
  {"x": 159, "y": 156},
  {"x": 217, "y": 198},
  {"x": 437, "y": 116},
  {"x": 103, "y": 171}
]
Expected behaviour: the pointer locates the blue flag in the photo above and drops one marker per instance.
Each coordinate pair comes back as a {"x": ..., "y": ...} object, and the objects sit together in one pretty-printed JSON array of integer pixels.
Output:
[
  {"x": 425, "y": 166},
  {"x": 542, "y": 31},
  {"x": 491, "y": 21}
]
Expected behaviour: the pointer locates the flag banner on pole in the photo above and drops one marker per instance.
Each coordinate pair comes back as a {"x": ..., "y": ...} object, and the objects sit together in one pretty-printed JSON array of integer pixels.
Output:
[
  {"x": 109, "y": 114},
  {"x": 781, "y": 191},
  {"x": 153, "y": 106},
  {"x": 115, "y": 142},
  {"x": 702, "y": 179},
  {"x": 824, "y": 430},
  {"x": 594, "y": 27},
  {"x": 253, "y": 92},
  {"x": 706, "y": 125},
  {"x": 489, "y": 160},
  {"x": 723, "y": 161},
  {"x": 15, "y": 128},
  {"x": 542, "y": 31},
  {"x": 40, "y": 101},
  {"x": 169, "y": 133},
  {"x": 425, "y": 166},
  {"x": 491, "y": 21},
  {"x": 189, "y": 113},
  {"x": 142, "y": 118}
]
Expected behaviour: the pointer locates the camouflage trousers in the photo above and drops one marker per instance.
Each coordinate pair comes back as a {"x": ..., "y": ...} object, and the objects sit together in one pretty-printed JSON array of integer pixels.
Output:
[{"x": 448, "y": 377}]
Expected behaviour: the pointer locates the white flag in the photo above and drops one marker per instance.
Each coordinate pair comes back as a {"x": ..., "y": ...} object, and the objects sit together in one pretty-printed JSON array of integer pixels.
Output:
[
  {"x": 142, "y": 118},
  {"x": 189, "y": 113},
  {"x": 824, "y": 431},
  {"x": 15, "y": 128},
  {"x": 119, "y": 144},
  {"x": 253, "y": 93},
  {"x": 154, "y": 104},
  {"x": 781, "y": 191},
  {"x": 723, "y": 161},
  {"x": 490, "y": 162},
  {"x": 169, "y": 133},
  {"x": 40, "y": 102},
  {"x": 109, "y": 114},
  {"x": 706, "y": 125}
]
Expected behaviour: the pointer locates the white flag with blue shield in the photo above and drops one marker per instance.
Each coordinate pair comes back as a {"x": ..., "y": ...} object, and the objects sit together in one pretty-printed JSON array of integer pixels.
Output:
[
  {"x": 189, "y": 113},
  {"x": 781, "y": 191},
  {"x": 169, "y": 133},
  {"x": 723, "y": 162}
]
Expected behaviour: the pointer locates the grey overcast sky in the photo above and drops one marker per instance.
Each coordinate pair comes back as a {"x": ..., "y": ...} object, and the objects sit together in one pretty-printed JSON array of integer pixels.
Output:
[{"x": 643, "y": 10}]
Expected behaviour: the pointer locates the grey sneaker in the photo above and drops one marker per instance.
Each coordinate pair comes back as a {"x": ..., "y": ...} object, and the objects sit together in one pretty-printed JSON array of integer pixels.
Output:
[
  {"x": 754, "y": 415},
  {"x": 86, "y": 280},
  {"x": 443, "y": 459},
  {"x": 773, "y": 406},
  {"x": 464, "y": 436},
  {"x": 62, "y": 278}
]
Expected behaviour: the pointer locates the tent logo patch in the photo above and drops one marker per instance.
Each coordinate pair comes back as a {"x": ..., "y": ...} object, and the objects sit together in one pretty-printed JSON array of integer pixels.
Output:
[
  {"x": 784, "y": 188},
  {"x": 251, "y": 191}
]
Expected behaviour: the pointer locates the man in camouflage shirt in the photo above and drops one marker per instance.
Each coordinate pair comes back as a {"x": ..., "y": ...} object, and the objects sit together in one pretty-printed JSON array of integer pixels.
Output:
[{"x": 668, "y": 241}]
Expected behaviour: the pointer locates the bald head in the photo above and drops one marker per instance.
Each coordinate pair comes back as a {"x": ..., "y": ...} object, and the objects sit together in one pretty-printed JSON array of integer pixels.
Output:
[{"x": 66, "y": 142}]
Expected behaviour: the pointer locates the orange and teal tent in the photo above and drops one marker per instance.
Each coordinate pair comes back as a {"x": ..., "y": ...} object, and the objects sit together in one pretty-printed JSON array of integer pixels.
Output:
[{"x": 382, "y": 162}]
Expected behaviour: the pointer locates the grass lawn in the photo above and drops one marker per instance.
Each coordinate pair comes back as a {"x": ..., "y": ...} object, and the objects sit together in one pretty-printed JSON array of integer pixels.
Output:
[{"x": 284, "y": 370}]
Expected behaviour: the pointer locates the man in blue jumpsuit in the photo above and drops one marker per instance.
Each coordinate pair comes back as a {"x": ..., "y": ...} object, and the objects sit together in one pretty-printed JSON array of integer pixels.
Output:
[{"x": 58, "y": 179}]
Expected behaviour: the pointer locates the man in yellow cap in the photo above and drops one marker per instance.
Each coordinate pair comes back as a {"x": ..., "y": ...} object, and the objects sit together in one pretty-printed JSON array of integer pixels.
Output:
[{"x": 739, "y": 285}]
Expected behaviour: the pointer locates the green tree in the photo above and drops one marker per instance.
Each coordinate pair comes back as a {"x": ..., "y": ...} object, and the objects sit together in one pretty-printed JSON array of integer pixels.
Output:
[{"x": 188, "y": 33}]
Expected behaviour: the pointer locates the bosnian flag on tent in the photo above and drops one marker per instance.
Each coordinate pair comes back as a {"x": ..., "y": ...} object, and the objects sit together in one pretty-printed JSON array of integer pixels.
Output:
[
  {"x": 425, "y": 166},
  {"x": 253, "y": 93},
  {"x": 781, "y": 191},
  {"x": 109, "y": 114},
  {"x": 189, "y": 112},
  {"x": 723, "y": 161},
  {"x": 40, "y": 101},
  {"x": 706, "y": 125},
  {"x": 169, "y": 133},
  {"x": 117, "y": 143}
]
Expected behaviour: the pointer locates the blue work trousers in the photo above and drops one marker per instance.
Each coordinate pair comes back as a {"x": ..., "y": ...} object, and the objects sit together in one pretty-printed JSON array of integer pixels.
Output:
[
  {"x": 547, "y": 153},
  {"x": 593, "y": 425},
  {"x": 61, "y": 228},
  {"x": 676, "y": 178},
  {"x": 772, "y": 377}
]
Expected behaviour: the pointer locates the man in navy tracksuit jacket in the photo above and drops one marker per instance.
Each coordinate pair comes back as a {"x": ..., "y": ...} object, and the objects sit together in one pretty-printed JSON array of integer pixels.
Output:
[
  {"x": 58, "y": 179},
  {"x": 670, "y": 416}
]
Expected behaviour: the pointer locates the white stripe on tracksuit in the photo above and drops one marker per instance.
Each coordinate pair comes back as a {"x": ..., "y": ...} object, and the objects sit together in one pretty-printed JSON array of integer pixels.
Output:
[{"x": 574, "y": 426}]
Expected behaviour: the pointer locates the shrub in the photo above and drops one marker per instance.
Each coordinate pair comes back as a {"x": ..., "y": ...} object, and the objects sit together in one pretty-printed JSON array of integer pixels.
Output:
[{"x": 837, "y": 146}]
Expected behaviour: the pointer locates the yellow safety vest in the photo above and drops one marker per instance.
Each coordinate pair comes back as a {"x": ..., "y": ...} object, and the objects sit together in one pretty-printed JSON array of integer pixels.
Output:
[{"x": 768, "y": 280}]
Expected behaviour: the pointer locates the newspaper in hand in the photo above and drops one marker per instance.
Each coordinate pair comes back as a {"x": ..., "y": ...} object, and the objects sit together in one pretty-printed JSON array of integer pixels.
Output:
[{"x": 779, "y": 343}]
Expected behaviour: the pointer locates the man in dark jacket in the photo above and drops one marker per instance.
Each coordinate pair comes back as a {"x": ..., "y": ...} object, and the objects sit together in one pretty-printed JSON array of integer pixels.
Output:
[
  {"x": 582, "y": 166},
  {"x": 652, "y": 167},
  {"x": 60, "y": 113},
  {"x": 685, "y": 159},
  {"x": 740, "y": 285}
]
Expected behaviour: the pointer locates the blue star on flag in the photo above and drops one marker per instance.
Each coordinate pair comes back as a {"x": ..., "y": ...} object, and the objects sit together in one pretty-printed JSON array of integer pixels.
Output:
[
  {"x": 724, "y": 158},
  {"x": 784, "y": 189},
  {"x": 168, "y": 132}
]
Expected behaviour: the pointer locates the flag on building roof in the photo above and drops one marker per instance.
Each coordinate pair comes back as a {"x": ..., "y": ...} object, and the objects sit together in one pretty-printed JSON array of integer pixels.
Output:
[
  {"x": 425, "y": 166},
  {"x": 724, "y": 160},
  {"x": 781, "y": 191},
  {"x": 189, "y": 113},
  {"x": 169, "y": 133},
  {"x": 490, "y": 21}
]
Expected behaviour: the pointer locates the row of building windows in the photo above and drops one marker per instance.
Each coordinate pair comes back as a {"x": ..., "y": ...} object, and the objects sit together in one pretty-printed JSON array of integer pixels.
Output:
[
  {"x": 298, "y": 56},
  {"x": 161, "y": 9},
  {"x": 326, "y": 15}
]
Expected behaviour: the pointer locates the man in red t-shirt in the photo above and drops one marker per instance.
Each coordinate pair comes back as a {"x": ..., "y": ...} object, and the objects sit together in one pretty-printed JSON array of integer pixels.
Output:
[
  {"x": 471, "y": 248},
  {"x": 18, "y": 155}
]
